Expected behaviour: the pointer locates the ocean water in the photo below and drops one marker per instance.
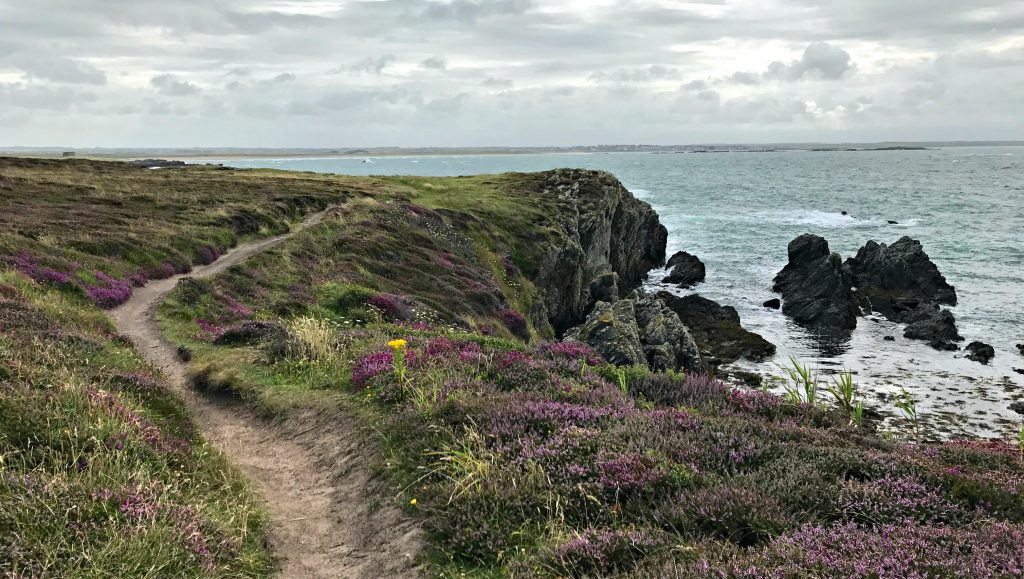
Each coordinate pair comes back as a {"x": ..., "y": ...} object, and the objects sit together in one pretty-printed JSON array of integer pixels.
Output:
[{"x": 738, "y": 212}]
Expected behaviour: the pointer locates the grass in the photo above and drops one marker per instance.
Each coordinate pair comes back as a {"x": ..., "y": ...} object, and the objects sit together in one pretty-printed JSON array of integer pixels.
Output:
[{"x": 520, "y": 456}]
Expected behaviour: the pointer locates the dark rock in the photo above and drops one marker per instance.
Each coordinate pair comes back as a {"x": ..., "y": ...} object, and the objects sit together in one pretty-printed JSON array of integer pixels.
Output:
[
  {"x": 844, "y": 213},
  {"x": 816, "y": 288},
  {"x": 184, "y": 354},
  {"x": 667, "y": 343},
  {"x": 944, "y": 346},
  {"x": 891, "y": 222},
  {"x": 980, "y": 352},
  {"x": 599, "y": 227},
  {"x": 686, "y": 269},
  {"x": 157, "y": 163},
  {"x": 249, "y": 333},
  {"x": 604, "y": 287},
  {"x": 1017, "y": 407},
  {"x": 717, "y": 329},
  {"x": 1020, "y": 348},
  {"x": 930, "y": 323},
  {"x": 1019, "y": 370},
  {"x": 612, "y": 331},
  {"x": 889, "y": 338},
  {"x": 640, "y": 330},
  {"x": 774, "y": 303},
  {"x": 899, "y": 276},
  {"x": 751, "y": 379}
]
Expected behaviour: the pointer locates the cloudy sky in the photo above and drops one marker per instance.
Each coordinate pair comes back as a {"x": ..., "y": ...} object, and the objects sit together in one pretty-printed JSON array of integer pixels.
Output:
[{"x": 327, "y": 73}]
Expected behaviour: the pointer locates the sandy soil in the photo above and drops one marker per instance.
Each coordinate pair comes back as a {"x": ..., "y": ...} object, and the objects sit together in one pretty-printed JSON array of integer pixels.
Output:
[{"x": 330, "y": 516}]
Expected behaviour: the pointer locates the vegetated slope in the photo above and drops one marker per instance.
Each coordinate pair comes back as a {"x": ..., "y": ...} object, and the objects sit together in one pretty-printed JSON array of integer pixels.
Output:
[
  {"x": 532, "y": 458},
  {"x": 102, "y": 471}
]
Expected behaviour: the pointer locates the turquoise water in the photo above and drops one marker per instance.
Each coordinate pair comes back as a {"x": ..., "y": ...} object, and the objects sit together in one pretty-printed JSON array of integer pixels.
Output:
[{"x": 738, "y": 211}]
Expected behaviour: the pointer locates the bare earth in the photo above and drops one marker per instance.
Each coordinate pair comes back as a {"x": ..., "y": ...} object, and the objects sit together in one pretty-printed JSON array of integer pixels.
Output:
[{"x": 330, "y": 517}]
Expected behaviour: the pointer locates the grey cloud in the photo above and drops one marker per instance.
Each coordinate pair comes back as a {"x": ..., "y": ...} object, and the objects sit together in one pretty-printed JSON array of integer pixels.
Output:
[
  {"x": 470, "y": 10},
  {"x": 58, "y": 69},
  {"x": 820, "y": 60},
  {"x": 170, "y": 85},
  {"x": 498, "y": 83},
  {"x": 434, "y": 63},
  {"x": 370, "y": 65},
  {"x": 654, "y": 72}
]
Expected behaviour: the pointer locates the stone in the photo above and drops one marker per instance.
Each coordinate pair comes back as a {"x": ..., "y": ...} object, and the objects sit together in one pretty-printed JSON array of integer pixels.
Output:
[
  {"x": 686, "y": 269},
  {"x": 1017, "y": 407},
  {"x": 1020, "y": 348},
  {"x": 889, "y": 338},
  {"x": 899, "y": 276},
  {"x": 717, "y": 330},
  {"x": 774, "y": 303},
  {"x": 932, "y": 324},
  {"x": 980, "y": 352},
  {"x": 612, "y": 331},
  {"x": 597, "y": 228},
  {"x": 944, "y": 346},
  {"x": 816, "y": 287}
]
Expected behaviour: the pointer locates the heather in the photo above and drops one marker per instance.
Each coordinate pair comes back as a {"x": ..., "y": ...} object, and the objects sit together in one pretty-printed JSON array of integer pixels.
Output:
[
  {"x": 529, "y": 457},
  {"x": 101, "y": 471}
]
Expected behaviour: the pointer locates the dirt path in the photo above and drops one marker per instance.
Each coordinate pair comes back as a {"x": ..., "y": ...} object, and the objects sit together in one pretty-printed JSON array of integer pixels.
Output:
[{"x": 329, "y": 516}]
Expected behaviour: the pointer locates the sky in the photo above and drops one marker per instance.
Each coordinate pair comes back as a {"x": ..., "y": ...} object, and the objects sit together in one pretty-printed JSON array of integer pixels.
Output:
[{"x": 459, "y": 73}]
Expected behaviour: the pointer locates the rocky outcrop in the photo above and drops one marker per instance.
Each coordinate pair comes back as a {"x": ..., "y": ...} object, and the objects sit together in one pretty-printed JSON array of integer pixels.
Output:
[
  {"x": 980, "y": 352},
  {"x": 612, "y": 330},
  {"x": 773, "y": 304},
  {"x": 816, "y": 288},
  {"x": 899, "y": 277},
  {"x": 903, "y": 284},
  {"x": 717, "y": 330},
  {"x": 1020, "y": 348},
  {"x": 640, "y": 329},
  {"x": 687, "y": 269},
  {"x": 931, "y": 323},
  {"x": 602, "y": 230}
]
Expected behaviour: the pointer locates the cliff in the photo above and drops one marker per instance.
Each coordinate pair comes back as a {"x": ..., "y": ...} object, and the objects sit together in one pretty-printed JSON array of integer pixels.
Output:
[{"x": 608, "y": 240}]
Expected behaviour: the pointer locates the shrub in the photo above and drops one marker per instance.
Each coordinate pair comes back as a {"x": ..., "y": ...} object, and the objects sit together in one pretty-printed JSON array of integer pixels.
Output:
[
  {"x": 602, "y": 552},
  {"x": 726, "y": 511},
  {"x": 515, "y": 322}
]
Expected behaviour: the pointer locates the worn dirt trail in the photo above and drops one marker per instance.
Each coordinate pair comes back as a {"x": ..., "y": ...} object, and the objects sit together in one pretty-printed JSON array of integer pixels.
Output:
[{"x": 330, "y": 517}]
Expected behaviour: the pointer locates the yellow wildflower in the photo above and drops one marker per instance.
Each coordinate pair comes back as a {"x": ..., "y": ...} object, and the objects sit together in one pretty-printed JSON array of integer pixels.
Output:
[
  {"x": 397, "y": 344},
  {"x": 413, "y": 502}
]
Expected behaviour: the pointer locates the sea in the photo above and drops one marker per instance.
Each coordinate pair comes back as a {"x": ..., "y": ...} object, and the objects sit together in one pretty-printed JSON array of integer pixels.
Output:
[{"x": 738, "y": 211}]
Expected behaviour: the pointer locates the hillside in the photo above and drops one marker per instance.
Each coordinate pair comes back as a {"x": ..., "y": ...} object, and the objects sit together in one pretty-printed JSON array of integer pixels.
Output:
[{"x": 427, "y": 310}]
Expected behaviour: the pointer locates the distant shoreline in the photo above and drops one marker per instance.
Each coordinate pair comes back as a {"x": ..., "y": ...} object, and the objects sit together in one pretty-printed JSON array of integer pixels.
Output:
[{"x": 232, "y": 153}]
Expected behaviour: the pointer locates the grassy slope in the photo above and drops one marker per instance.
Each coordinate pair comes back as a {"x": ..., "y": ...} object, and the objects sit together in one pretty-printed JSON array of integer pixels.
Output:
[
  {"x": 527, "y": 459},
  {"x": 523, "y": 459}
]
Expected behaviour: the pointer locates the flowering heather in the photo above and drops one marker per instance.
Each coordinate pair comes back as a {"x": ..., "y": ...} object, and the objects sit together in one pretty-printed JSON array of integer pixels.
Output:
[
  {"x": 895, "y": 499},
  {"x": 510, "y": 268},
  {"x": 207, "y": 254},
  {"x": 603, "y": 552},
  {"x": 390, "y": 306},
  {"x": 53, "y": 276},
  {"x": 164, "y": 270},
  {"x": 572, "y": 350},
  {"x": 515, "y": 322},
  {"x": 372, "y": 366},
  {"x": 113, "y": 293},
  {"x": 138, "y": 278},
  {"x": 148, "y": 431},
  {"x": 238, "y": 310},
  {"x": 628, "y": 472},
  {"x": 445, "y": 262},
  {"x": 209, "y": 331}
]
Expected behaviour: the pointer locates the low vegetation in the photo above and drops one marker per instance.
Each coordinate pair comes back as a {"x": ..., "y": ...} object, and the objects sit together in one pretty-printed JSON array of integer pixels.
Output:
[{"x": 522, "y": 456}]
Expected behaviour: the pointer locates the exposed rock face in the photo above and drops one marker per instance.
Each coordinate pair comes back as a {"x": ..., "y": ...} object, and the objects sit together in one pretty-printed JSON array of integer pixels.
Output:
[
  {"x": 640, "y": 329},
  {"x": 899, "y": 277},
  {"x": 774, "y": 303},
  {"x": 611, "y": 329},
  {"x": 717, "y": 330},
  {"x": 604, "y": 230},
  {"x": 931, "y": 323},
  {"x": 816, "y": 288},
  {"x": 980, "y": 352},
  {"x": 686, "y": 269}
]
